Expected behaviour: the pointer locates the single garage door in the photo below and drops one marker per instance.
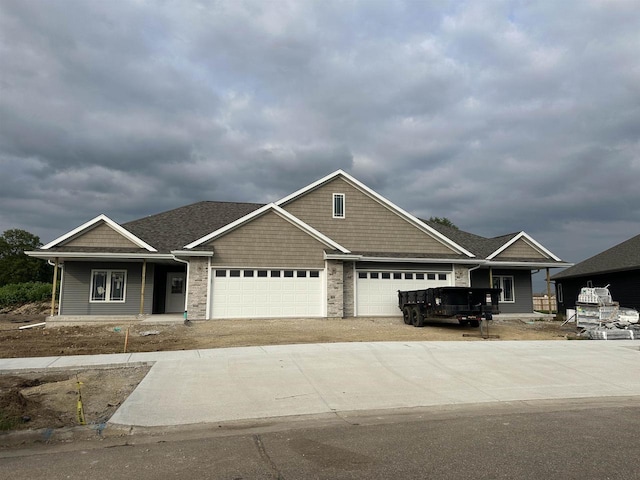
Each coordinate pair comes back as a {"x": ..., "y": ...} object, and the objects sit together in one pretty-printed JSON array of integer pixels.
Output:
[
  {"x": 377, "y": 291},
  {"x": 260, "y": 293}
]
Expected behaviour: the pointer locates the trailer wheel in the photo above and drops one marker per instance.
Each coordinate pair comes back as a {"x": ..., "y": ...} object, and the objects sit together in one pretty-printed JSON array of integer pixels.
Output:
[
  {"x": 406, "y": 315},
  {"x": 416, "y": 317},
  {"x": 475, "y": 323}
]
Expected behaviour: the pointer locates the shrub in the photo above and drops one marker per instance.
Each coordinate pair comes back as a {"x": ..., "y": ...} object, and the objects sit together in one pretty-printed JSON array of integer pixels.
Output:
[{"x": 21, "y": 293}]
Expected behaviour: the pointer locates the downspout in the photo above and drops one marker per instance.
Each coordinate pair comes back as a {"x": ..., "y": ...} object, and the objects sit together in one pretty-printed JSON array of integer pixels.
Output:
[
  {"x": 470, "y": 270},
  {"x": 144, "y": 280},
  {"x": 186, "y": 291},
  {"x": 208, "y": 306},
  {"x": 55, "y": 285}
]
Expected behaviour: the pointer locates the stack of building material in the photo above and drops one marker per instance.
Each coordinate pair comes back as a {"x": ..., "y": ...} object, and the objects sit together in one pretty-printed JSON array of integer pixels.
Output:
[{"x": 604, "y": 333}]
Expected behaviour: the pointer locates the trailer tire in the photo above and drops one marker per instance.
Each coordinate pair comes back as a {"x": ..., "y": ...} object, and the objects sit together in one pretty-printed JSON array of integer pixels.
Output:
[
  {"x": 416, "y": 317},
  {"x": 475, "y": 323},
  {"x": 406, "y": 315}
]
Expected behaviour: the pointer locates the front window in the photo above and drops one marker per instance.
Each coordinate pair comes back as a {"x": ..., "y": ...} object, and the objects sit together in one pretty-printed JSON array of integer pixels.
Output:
[
  {"x": 506, "y": 284},
  {"x": 108, "y": 285},
  {"x": 338, "y": 205}
]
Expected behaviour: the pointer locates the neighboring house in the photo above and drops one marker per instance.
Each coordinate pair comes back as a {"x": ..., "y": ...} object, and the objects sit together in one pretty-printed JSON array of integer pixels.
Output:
[
  {"x": 334, "y": 249},
  {"x": 618, "y": 267}
]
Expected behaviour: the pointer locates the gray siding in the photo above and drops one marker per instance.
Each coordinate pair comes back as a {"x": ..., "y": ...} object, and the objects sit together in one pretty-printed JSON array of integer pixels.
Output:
[
  {"x": 368, "y": 225},
  {"x": 77, "y": 284},
  {"x": 268, "y": 241},
  {"x": 522, "y": 288}
]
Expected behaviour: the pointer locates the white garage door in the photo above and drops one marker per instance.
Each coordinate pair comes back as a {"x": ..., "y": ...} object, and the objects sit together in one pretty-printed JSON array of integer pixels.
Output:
[
  {"x": 377, "y": 292},
  {"x": 259, "y": 293}
]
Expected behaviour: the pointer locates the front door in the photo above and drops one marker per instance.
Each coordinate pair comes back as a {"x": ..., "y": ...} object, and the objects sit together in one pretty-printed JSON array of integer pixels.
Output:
[{"x": 176, "y": 287}]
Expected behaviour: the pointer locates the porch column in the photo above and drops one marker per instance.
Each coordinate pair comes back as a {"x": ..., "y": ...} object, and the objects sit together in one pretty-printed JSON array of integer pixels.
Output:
[
  {"x": 55, "y": 286},
  {"x": 144, "y": 281},
  {"x": 490, "y": 277}
]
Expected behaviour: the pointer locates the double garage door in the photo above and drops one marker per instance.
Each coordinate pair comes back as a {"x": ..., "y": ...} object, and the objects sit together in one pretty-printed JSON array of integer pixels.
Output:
[
  {"x": 266, "y": 293},
  {"x": 377, "y": 291}
]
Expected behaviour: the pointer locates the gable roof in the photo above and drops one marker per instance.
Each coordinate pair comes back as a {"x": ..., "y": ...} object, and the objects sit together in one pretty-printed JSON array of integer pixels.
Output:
[
  {"x": 490, "y": 248},
  {"x": 624, "y": 256},
  {"x": 175, "y": 228},
  {"x": 529, "y": 241},
  {"x": 261, "y": 211},
  {"x": 416, "y": 222},
  {"x": 94, "y": 222}
]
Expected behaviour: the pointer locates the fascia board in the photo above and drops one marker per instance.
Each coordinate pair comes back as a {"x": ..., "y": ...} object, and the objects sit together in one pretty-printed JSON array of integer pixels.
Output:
[
  {"x": 342, "y": 256},
  {"x": 309, "y": 229},
  {"x": 529, "y": 264},
  {"x": 383, "y": 201},
  {"x": 229, "y": 227},
  {"x": 101, "y": 218},
  {"x": 192, "y": 253},
  {"x": 529, "y": 240},
  {"x": 100, "y": 255},
  {"x": 261, "y": 211},
  {"x": 422, "y": 260},
  {"x": 310, "y": 187}
]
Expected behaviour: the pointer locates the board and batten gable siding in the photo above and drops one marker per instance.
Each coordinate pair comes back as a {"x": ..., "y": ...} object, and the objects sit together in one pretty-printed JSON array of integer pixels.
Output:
[
  {"x": 522, "y": 288},
  {"x": 368, "y": 225},
  {"x": 77, "y": 285},
  {"x": 521, "y": 249},
  {"x": 100, "y": 236},
  {"x": 268, "y": 241}
]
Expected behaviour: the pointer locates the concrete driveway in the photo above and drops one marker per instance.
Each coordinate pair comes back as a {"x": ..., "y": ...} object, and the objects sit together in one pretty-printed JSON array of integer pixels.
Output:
[
  {"x": 227, "y": 384},
  {"x": 204, "y": 386}
]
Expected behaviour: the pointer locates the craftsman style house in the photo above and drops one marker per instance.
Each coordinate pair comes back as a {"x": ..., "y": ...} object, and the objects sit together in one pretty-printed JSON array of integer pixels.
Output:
[{"x": 335, "y": 249}]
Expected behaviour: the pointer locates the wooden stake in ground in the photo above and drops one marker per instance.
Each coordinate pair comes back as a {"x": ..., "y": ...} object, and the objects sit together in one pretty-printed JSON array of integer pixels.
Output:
[
  {"x": 126, "y": 340},
  {"x": 79, "y": 406}
]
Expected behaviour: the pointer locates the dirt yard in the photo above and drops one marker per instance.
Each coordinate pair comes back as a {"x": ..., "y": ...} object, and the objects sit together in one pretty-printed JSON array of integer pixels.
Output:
[
  {"x": 48, "y": 400},
  {"x": 99, "y": 339}
]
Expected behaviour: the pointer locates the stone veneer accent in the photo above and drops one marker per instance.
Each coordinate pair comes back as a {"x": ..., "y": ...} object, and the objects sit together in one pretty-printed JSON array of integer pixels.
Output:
[
  {"x": 197, "y": 288},
  {"x": 335, "y": 292},
  {"x": 461, "y": 276},
  {"x": 348, "y": 290}
]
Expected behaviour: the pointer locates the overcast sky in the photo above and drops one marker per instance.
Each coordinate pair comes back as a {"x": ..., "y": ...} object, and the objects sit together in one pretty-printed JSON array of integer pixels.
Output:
[{"x": 502, "y": 116}]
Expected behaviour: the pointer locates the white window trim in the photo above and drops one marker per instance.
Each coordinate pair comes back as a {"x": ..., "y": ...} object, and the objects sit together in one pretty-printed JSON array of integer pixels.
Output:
[
  {"x": 513, "y": 288},
  {"x": 107, "y": 294},
  {"x": 344, "y": 205}
]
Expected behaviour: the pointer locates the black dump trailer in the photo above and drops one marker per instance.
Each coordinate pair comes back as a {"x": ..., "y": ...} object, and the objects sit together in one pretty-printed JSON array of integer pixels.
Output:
[{"x": 468, "y": 305}]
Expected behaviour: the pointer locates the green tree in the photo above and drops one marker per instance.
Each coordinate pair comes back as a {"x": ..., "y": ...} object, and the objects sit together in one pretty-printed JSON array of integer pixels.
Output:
[
  {"x": 443, "y": 221},
  {"x": 15, "y": 266}
]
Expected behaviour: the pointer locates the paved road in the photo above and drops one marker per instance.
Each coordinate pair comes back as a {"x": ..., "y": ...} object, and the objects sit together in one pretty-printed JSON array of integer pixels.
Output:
[
  {"x": 579, "y": 439},
  {"x": 231, "y": 384}
]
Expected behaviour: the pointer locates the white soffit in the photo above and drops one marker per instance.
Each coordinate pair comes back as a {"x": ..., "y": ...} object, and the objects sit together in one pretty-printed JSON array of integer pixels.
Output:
[{"x": 93, "y": 222}]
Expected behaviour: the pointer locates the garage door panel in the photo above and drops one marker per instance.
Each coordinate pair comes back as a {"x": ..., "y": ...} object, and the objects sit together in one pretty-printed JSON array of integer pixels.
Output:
[
  {"x": 266, "y": 293},
  {"x": 377, "y": 292}
]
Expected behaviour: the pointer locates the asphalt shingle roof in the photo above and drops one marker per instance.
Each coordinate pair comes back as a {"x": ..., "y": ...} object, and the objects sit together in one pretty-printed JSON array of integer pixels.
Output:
[
  {"x": 176, "y": 228},
  {"x": 624, "y": 256},
  {"x": 480, "y": 246}
]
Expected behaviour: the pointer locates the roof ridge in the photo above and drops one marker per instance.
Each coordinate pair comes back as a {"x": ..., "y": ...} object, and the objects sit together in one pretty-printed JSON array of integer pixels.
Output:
[{"x": 165, "y": 212}]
